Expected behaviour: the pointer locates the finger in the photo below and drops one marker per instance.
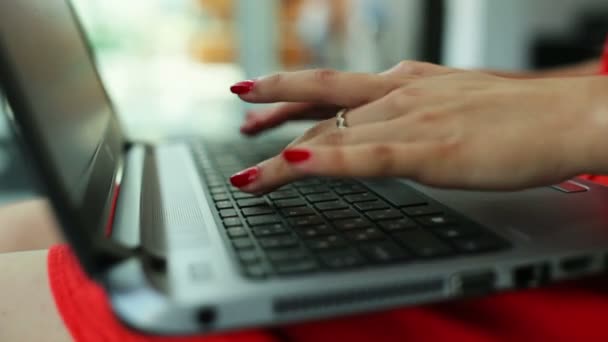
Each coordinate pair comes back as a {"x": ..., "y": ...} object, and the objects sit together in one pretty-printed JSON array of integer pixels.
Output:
[
  {"x": 320, "y": 128},
  {"x": 418, "y": 69},
  {"x": 364, "y": 134},
  {"x": 258, "y": 121},
  {"x": 275, "y": 172},
  {"x": 330, "y": 87},
  {"x": 265, "y": 177},
  {"x": 368, "y": 160}
]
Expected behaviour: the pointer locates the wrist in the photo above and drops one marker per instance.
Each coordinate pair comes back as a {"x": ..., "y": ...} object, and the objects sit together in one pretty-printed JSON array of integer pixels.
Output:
[{"x": 596, "y": 118}]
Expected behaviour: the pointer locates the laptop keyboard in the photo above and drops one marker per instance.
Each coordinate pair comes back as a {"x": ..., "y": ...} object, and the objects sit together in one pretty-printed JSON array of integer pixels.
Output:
[{"x": 321, "y": 225}]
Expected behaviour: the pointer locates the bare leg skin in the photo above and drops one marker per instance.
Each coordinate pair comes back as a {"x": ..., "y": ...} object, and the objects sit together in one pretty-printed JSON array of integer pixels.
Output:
[
  {"x": 27, "y": 226},
  {"x": 27, "y": 309}
]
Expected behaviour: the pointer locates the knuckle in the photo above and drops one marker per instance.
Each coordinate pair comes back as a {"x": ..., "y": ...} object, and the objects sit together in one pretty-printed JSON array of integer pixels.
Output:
[
  {"x": 324, "y": 76},
  {"x": 274, "y": 81},
  {"x": 385, "y": 158},
  {"x": 397, "y": 99},
  {"x": 339, "y": 161},
  {"x": 448, "y": 147},
  {"x": 402, "y": 97},
  {"x": 337, "y": 137},
  {"x": 440, "y": 162},
  {"x": 410, "y": 67},
  {"x": 416, "y": 68},
  {"x": 427, "y": 117}
]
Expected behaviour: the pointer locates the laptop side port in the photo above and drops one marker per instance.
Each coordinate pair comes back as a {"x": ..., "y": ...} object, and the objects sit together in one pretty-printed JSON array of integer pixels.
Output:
[
  {"x": 576, "y": 264},
  {"x": 206, "y": 317},
  {"x": 474, "y": 284},
  {"x": 533, "y": 275}
]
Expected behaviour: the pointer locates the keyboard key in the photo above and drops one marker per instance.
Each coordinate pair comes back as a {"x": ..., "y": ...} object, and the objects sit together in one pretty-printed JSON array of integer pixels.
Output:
[
  {"x": 282, "y": 255},
  {"x": 383, "y": 252},
  {"x": 285, "y": 194},
  {"x": 255, "y": 211},
  {"x": 233, "y": 222},
  {"x": 317, "y": 189},
  {"x": 397, "y": 193},
  {"x": 306, "y": 221},
  {"x": 422, "y": 210},
  {"x": 387, "y": 214},
  {"x": 248, "y": 256},
  {"x": 397, "y": 225},
  {"x": 351, "y": 224},
  {"x": 242, "y": 195},
  {"x": 314, "y": 231},
  {"x": 337, "y": 183},
  {"x": 335, "y": 205},
  {"x": 342, "y": 259},
  {"x": 329, "y": 242},
  {"x": 280, "y": 241},
  {"x": 423, "y": 243},
  {"x": 237, "y": 232},
  {"x": 350, "y": 190},
  {"x": 224, "y": 205},
  {"x": 274, "y": 229},
  {"x": 299, "y": 211},
  {"x": 226, "y": 213},
  {"x": 220, "y": 197},
  {"x": 263, "y": 220},
  {"x": 242, "y": 243},
  {"x": 326, "y": 197},
  {"x": 211, "y": 183},
  {"x": 287, "y": 203},
  {"x": 360, "y": 198},
  {"x": 255, "y": 271},
  {"x": 307, "y": 182},
  {"x": 375, "y": 205},
  {"x": 251, "y": 202},
  {"x": 368, "y": 234},
  {"x": 341, "y": 214},
  {"x": 296, "y": 267},
  {"x": 476, "y": 244},
  {"x": 436, "y": 220},
  {"x": 218, "y": 190},
  {"x": 454, "y": 232}
]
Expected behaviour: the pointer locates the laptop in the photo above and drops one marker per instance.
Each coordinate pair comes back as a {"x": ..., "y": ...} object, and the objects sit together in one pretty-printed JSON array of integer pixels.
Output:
[{"x": 179, "y": 251}]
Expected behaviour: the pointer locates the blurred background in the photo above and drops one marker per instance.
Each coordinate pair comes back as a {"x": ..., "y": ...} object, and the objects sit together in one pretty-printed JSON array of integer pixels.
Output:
[{"x": 168, "y": 64}]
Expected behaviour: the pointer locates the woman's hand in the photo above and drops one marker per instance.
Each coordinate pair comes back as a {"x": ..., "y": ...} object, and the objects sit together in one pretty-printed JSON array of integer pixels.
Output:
[
  {"x": 441, "y": 127},
  {"x": 313, "y": 103}
]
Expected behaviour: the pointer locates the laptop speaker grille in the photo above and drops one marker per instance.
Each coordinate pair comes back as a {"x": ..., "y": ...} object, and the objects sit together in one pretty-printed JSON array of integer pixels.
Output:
[{"x": 335, "y": 300}]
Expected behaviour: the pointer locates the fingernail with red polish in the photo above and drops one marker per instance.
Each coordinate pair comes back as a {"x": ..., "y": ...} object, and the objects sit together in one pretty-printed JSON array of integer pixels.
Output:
[
  {"x": 244, "y": 178},
  {"x": 242, "y": 88},
  {"x": 296, "y": 155}
]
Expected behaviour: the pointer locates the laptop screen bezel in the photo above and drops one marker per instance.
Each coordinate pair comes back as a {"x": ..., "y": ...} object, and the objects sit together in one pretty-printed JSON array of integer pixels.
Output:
[{"x": 84, "y": 226}]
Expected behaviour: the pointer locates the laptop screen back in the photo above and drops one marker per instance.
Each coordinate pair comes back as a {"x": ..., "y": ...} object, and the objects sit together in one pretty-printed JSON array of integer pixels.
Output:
[
  {"x": 59, "y": 82},
  {"x": 66, "y": 118}
]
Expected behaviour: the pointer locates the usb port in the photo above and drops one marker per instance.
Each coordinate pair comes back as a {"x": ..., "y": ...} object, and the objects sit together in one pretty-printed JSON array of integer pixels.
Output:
[{"x": 576, "y": 264}]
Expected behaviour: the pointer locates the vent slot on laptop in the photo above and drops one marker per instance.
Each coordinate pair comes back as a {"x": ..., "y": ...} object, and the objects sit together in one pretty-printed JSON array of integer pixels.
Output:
[{"x": 335, "y": 300}]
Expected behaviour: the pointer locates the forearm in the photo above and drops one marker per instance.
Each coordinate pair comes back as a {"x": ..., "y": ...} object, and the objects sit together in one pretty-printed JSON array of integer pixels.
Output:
[{"x": 587, "y": 68}]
